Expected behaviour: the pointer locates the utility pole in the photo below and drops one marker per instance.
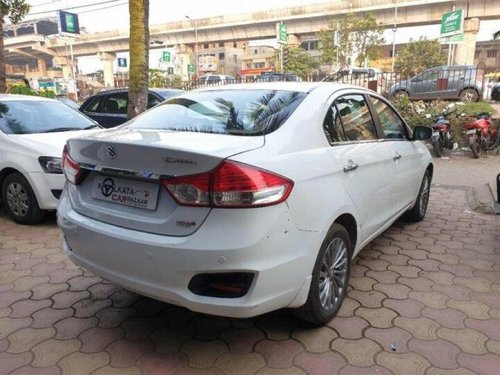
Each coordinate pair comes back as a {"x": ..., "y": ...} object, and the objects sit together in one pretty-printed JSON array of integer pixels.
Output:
[
  {"x": 394, "y": 29},
  {"x": 195, "y": 43},
  {"x": 281, "y": 58}
]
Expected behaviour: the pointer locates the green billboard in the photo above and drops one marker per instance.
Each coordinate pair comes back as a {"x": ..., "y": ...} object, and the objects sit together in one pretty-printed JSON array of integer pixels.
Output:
[
  {"x": 282, "y": 33},
  {"x": 452, "y": 23},
  {"x": 165, "y": 56},
  {"x": 68, "y": 23}
]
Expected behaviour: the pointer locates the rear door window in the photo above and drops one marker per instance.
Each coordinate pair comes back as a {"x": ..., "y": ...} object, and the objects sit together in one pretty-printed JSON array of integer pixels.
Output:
[
  {"x": 356, "y": 118},
  {"x": 153, "y": 100},
  {"x": 333, "y": 126},
  {"x": 392, "y": 125},
  {"x": 115, "y": 103},
  {"x": 94, "y": 105}
]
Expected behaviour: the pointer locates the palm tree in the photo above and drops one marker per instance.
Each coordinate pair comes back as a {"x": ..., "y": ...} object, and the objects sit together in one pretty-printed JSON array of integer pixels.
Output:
[
  {"x": 139, "y": 57},
  {"x": 14, "y": 10}
]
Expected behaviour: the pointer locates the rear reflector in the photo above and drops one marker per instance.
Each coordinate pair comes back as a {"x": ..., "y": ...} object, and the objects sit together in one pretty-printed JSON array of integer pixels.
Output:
[
  {"x": 221, "y": 285},
  {"x": 231, "y": 184}
]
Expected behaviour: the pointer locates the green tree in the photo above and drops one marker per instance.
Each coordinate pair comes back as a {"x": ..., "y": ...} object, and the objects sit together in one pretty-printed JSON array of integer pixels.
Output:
[
  {"x": 139, "y": 57},
  {"x": 296, "y": 60},
  {"x": 359, "y": 39},
  {"x": 15, "y": 10},
  {"x": 419, "y": 55}
]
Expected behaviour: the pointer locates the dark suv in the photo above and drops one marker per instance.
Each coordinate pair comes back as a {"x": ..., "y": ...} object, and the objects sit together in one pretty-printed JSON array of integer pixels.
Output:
[
  {"x": 109, "y": 108},
  {"x": 462, "y": 82}
]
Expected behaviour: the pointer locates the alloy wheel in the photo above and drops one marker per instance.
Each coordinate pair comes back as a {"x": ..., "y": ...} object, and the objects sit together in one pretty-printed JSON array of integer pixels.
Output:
[
  {"x": 333, "y": 274},
  {"x": 17, "y": 199}
]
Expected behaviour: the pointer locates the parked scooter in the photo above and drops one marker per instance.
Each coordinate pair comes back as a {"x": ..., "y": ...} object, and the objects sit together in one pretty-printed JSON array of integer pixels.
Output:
[
  {"x": 481, "y": 134},
  {"x": 441, "y": 136}
]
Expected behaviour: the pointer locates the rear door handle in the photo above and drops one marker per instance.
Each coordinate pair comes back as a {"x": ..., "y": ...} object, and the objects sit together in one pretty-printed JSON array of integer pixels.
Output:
[
  {"x": 397, "y": 156},
  {"x": 350, "y": 166}
]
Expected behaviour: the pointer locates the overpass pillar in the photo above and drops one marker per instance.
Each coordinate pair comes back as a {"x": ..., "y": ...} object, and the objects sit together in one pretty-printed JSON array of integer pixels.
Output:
[
  {"x": 465, "y": 50},
  {"x": 107, "y": 61},
  {"x": 42, "y": 68},
  {"x": 64, "y": 63}
]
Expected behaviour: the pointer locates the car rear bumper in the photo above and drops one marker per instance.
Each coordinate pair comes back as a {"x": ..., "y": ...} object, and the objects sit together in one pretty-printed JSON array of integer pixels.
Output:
[{"x": 261, "y": 241}]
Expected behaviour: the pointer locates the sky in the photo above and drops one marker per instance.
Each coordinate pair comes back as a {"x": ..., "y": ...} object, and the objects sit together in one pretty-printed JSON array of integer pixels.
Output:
[{"x": 103, "y": 15}]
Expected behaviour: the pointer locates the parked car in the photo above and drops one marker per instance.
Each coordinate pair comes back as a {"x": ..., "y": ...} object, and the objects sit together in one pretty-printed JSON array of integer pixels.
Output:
[
  {"x": 278, "y": 77},
  {"x": 109, "y": 108},
  {"x": 495, "y": 92},
  {"x": 459, "y": 82},
  {"x": 353, "y": 74},
  {"x": 33, "y": 131},
  {"x": 243, "y": 199},
  {"x": 216, "y": 79},
  {"x": 370, "y": 78}
]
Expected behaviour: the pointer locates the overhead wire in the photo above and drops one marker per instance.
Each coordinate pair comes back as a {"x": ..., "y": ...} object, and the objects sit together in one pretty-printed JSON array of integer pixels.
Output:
[{"x": 77, "y": 7}]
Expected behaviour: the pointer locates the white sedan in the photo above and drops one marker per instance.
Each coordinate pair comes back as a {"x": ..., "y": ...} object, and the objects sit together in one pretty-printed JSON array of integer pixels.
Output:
[
  {"x": 240, "y": 200},
  {"x": 33, "y": 131}
]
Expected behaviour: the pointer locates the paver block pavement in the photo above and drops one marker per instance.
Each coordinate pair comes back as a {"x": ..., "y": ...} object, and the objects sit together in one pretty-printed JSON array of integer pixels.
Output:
[{"x": 423, "y": 298}]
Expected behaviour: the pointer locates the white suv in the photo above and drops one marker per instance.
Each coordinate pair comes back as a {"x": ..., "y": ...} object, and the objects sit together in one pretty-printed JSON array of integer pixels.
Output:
[{"x": 240, "y": 200}]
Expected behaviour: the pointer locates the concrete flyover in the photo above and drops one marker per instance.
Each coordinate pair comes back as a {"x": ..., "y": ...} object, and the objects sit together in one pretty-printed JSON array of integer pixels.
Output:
[{"x": 301, "y": 21}]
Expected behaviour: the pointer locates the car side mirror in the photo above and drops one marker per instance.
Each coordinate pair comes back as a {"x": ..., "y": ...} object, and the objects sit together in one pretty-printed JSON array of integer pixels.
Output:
[{"x": 422, "y": 133}]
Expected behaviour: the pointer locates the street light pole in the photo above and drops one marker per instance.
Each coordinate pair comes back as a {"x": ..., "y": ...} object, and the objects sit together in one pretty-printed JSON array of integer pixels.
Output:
[
  {"x": 394, "y": 36},
  {"x": 195, "y": 43}
]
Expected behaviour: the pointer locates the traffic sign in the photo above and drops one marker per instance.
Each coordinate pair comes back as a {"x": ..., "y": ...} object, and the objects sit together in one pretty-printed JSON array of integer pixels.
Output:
[
  {"x": 190, "y": 68},
  {"x": 282, "y": 33},
  {"x": 122, "y": 62},
  {"x": 170, "y": 70},
  {"x": 165, "y": 56},
  {"x": 452, "y": 23}
]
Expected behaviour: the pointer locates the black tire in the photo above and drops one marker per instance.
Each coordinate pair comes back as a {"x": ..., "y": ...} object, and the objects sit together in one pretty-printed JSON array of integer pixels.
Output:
[
  {"x": 437, "y": 148},
  {"x": 19, "y": 200},
  {"x": 469, "y": 95},
  {"x": 398, "y": 95},
  {"x": 475, "y": 148},
  {"x": 492, "y": 142},
  {"x": 418, "y": 211},
  {"x": 324, "y": 278}
]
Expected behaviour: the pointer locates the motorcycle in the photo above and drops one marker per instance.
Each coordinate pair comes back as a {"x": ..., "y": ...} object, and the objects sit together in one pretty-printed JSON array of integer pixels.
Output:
[
  {"x": 441, "y": 137},
  {"x": 481, "y": 134}
]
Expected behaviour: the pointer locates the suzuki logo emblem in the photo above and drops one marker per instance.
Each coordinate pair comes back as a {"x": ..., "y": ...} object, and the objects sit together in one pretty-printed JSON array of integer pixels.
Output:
[{"x": 111, "y": 152}]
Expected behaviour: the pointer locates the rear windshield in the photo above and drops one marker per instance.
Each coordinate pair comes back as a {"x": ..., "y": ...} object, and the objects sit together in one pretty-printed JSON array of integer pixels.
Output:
[
  {"x": 34, "y": 116},
  {"x": 238, "y": 112}
]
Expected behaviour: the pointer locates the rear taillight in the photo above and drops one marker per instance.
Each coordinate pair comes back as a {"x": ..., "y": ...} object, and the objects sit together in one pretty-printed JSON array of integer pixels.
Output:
[
  {"x": 71, "y": 170},
  {"x": 231, "y": 184}
]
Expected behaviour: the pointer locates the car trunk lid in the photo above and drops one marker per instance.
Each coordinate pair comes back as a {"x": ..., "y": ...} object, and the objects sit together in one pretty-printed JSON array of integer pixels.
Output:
[{"x": 124, "y": 168}]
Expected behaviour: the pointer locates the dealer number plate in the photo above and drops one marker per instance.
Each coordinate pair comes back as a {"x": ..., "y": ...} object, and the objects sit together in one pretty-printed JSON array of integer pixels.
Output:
[{"x": 131, "y": 193}]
